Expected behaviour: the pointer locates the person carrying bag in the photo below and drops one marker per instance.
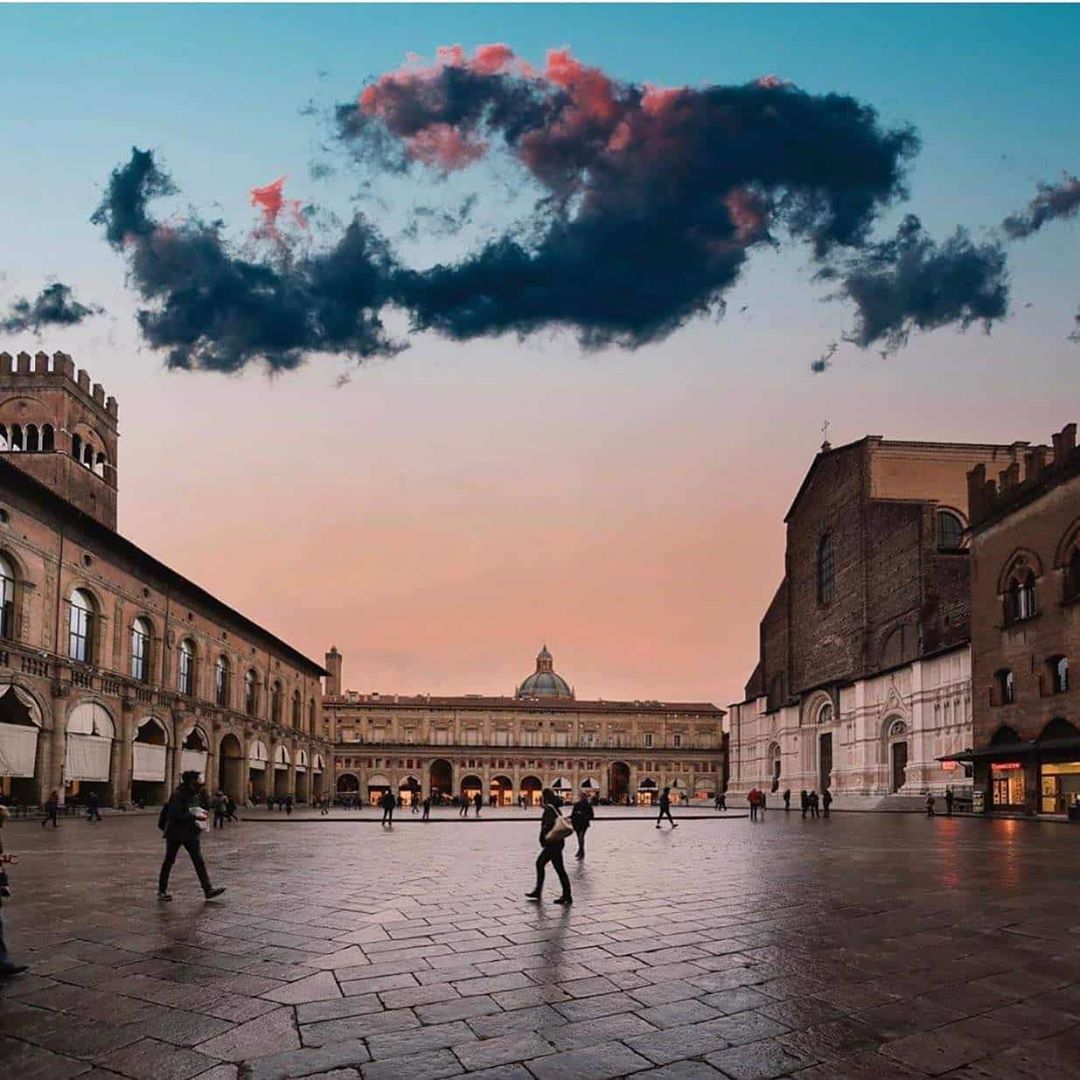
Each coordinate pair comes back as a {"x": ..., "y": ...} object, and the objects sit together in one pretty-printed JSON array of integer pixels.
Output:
[{"x": 554, "y": 829}]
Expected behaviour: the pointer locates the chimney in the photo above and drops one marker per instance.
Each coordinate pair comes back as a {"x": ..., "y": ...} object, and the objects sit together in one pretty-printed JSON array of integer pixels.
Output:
[
  {"x": 333, "y": 666},
  {"x": 977, "y": 501},
  {"x": 1064, "y": 444}
]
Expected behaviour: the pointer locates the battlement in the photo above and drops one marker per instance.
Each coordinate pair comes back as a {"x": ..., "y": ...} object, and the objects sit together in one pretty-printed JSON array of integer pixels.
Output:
[
  {"x": 1044, "y": 466},
  {"x": 58, "y": 366}
]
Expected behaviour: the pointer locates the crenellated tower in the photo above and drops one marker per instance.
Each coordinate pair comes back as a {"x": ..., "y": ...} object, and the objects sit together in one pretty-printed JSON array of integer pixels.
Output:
[{"x": 60, "y": 429}]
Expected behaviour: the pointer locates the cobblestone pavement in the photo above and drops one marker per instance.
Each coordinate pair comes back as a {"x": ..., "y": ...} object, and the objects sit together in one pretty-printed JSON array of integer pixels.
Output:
[{"x": 871, "y": 947}]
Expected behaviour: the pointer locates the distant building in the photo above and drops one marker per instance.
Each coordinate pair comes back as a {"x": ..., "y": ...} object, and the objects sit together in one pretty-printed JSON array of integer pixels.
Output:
[
  {"x": 863, "y": 679},
  {"x": 1025, "y": 574},
  {"x": 116, "y": 672},
  {"x": 505, "y": 748}
]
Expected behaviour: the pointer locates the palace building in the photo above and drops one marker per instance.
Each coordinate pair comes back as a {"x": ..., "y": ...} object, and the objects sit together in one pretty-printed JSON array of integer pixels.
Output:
[
  {"x": 1025, "y": 610},
  {"x": 864, "y": 675},
  {"x": 116, "y": 672},
  {"x": 505, "y": 748}
]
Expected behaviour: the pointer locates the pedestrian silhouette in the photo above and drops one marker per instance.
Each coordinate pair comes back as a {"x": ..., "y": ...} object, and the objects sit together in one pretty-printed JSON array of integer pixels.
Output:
[
  {"x": 180, "y": 820},
  {"x": 665, "y": 808},
  {"x": 478, "y": 802},
  {"x": 93, "y": 806},
  {"x": 551, "y": 848},
  {"x": 787, "y": 799},
  {"x": 826, "y": 801},
  {"x": 52, "y": 808},
  {"x": 387, "y": 802},
  {"x": 581, "y": 818}
]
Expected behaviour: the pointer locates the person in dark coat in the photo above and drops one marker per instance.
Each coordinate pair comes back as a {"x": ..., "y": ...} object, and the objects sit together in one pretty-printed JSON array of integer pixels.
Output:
[
  {"x": 787, "y": 799},
  {"x": 388, "y": 802},
  {"x": 581, "y": 818},
  {"x": 178, "y": 822},
  {"x": 219, "y": 806},
  {"x": 665, "y": 808},
  {"x": 550, "y": 851},
  {"x": 804, "y": 801},
  {"x": 949, "y": 798},
  {"x": 814, "y": 802},
  {"x": 52, "y": 808},
  {"x": 427, "y": 809},
  {"x": 826, "y": 801},
  {"x": 288, "y": 804},
  {"x": 93, "y": 806},
  {"x": 478, "y": 802}
]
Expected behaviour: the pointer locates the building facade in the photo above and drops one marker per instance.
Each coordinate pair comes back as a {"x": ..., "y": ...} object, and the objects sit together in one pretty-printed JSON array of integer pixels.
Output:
[
  {"x": 1025, "y": 582},
  {"x": 506, "y": 748},
  {"x": 116, "y": 672},
  {"x": 864, "y": 673}
]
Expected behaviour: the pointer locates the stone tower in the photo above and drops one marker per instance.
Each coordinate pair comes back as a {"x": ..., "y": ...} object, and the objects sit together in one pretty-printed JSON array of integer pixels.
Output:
[
  {"x": 60, "y": 430},
  {"x": 333, "y": 666}
]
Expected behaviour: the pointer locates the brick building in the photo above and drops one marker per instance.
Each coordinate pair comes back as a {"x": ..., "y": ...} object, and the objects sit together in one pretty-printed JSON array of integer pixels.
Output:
[
  {"x": 116, "y": 672},
  {"x": 1025, "y": 586},
  {"x": 863, "y": 679},
  {"x": 508, "y": 747}
]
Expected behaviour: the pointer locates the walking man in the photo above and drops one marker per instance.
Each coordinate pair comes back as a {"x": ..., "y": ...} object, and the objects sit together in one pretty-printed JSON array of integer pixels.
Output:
[
  {"x": 804, "y": 801},
  {"x": 723, "y": 801},
  {"x": 52, "y": 808},
  {"x": 581, "y": 818},
  {"x": 427, "y": 809},
  {"x": 761, "y": 803},
  {"x": 387, "y": 802},
  {"x": 414, "y": 801},
  {"x": 787, "y": 799},
  {"x": 551, "y": 850},
  {"x": 813, "y": 804},
  {"x": 179, "y": 822},
  {"x": 949, "y": 797},
  {"x": 752, "y": 799},
  {"x": 93, "y": 807},
  {"x": 478, "y": 802},
  {"x": 217, "y": 804},
  {"x": 930, "y": 801},
  {"x": 665, "y": 808},
  {"x": 826, "y": 801}
]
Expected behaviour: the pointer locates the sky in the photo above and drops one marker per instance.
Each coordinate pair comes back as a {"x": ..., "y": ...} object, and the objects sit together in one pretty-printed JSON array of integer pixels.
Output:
[{"x": 440, "y": 514}]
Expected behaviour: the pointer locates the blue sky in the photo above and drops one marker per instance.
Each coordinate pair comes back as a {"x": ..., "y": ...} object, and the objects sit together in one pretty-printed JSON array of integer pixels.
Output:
[{"x": 642, "y": 456}]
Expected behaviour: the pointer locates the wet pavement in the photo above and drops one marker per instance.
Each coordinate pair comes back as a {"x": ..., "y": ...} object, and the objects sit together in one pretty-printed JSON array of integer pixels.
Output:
[{"x": 866, "y": 946}]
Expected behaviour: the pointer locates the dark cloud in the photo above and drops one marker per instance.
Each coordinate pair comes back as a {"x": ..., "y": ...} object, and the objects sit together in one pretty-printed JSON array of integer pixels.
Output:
[
  {"x": 1053, "y": 201},
  {"x": 822, "y": 362},
  {"x": 912, "y": 282},
  {"x": 652, "y": 198},
  {"x": 208, "y": 308},
  {"x": 439, "y": 221},
  {"x": 55, "y": 305}
]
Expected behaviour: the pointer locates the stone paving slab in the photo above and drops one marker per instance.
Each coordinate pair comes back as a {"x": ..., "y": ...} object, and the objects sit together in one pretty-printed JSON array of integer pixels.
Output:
[{"x": 861, "y": 948}]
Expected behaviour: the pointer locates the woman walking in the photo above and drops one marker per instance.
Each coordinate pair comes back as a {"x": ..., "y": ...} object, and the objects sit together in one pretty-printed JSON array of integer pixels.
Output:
[
  {"x": 554, "y": 830},
  {"x": 665, "y": 808}
]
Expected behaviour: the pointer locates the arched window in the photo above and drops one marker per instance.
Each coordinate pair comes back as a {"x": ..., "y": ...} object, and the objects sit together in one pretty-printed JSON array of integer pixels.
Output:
[
  {"x": 296, "y": 708},
  {"x": 1020, "y": 596},
  {"x": 825, "y": 713},
  {"x": 81, "y": 628},
  {"x": 16, "y": 437},
  {"x": 31, "y": 438},
  {"x": 251, "y": 692},
  {"x": 1057, "y": 668},
  {"x": 140, "y": 649},
  {"x": 88, "y": 456},
  {"x": 99, "y": 465},
  {"x": 4, "y": 437},
  {"x": 1072, "y": 575},
  {"x": 76, "y": 447},
  {"x": 221, "y": 681},
  {"x": 826, "y": 570},
  {"x": 48, "y": 439},
  {"x": 1006, "y": 686},
  {"x": 7, "y": 599},
  {"x": 275, "y": 702},
  {"x": 950, "y": 531},
  {"x": 185, "y": 671}
]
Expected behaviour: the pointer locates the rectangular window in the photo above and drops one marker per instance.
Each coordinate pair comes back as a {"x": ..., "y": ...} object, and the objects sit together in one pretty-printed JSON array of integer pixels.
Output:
[
  {"x": 79, "y": 639},
  {"x": 676, "y": 741},
  {"x": 221, "y": 686},
  {"x": 648, "y": 739}
]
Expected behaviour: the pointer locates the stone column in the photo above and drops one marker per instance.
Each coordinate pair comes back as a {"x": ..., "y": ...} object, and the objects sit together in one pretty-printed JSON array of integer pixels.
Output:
[
  {"x": 122, "y": 784},
  {"x": 178, "y": 748},
  {"x": 58, "y": 742},
  {"x": 292, "y": 771}
]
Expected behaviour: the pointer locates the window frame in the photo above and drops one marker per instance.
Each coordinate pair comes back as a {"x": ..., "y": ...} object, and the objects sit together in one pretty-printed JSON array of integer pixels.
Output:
[
  {"x": 81, "y": 627},
  {"x": 139, "y": 644},
  {"x": 185, "y": 668},
  {"x": 8, "y": 589},
  {"x": 826, "y": 570}
]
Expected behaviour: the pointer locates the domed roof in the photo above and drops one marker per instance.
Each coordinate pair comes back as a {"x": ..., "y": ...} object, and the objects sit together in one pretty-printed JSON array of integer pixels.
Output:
[{"x": 544, "y": 681}]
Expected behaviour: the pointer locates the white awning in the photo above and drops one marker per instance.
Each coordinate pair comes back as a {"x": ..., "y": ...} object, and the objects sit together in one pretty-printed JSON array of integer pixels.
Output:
[
  {"x": 193, "y": 761},
  {"x": 377, "y": 780},
  {"x": 18, "y": 750},
  {"x": 561, "y": 785},
  {"x": 257, "y": 755},
  {"x": 648, "y": 784},
  {"x": 87, "y": 758},
  {"x": 589, "y": 784},
  {"x": 319, "y": 763},
  {"x": 148, "y": 762}
]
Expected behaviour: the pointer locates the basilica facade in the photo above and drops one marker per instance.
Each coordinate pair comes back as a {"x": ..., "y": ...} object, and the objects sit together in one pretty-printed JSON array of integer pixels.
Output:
[
  {"x": 116, "y": 672},
  {"x": 508, "y": 749}
]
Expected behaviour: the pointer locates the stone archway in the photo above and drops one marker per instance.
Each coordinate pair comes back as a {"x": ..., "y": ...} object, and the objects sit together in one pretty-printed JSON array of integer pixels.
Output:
[
  {"x": 231, "y": 768},
  {"x": 618, "y": 782},
  {"x": 441, "y": 779},
  {"x": 348, "y": 784},
  {"x": 150, "y": 772},
  {"x": 502, "y": 791},
  {"x": 471, "y": 786},
  {"x": 20, "y": 737},
  {"x": 532, "y": 790}
]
